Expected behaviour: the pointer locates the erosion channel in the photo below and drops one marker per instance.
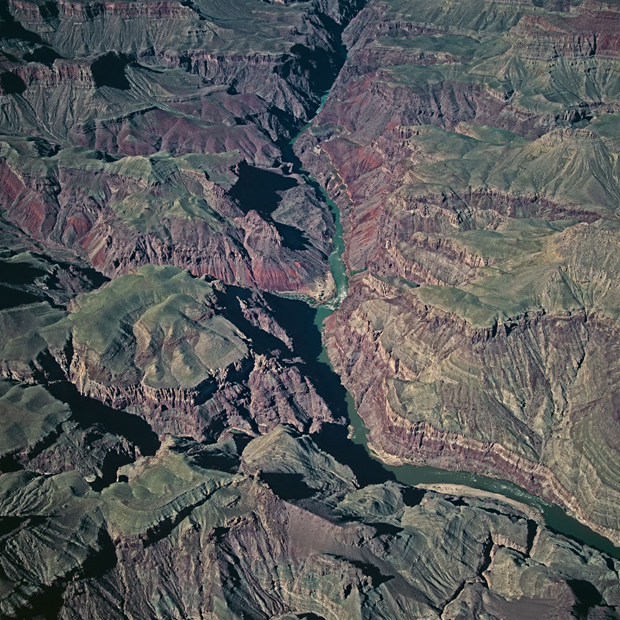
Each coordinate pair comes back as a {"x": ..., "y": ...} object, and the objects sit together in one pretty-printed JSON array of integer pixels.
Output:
[{"x": 309, "y": 327}]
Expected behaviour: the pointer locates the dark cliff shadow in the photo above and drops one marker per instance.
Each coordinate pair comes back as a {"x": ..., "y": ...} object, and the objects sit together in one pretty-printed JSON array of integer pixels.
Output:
[
  {"x": 413, "y": 496},
  {"x": 334, "y": 440},
  {"x": 19, "y": 273},
  {"x": 24, "y": 274},
  {"x": 11, "y": 297},
  {"x": 8, "y": 463},
  {"x": 260, "y": 190},
  {"x": 109, "y": 70},
  {"x": 319, "y": 64},
  {"x": 587, "y": 595},
  {"x": 287, "y": 486},
  {"x": 109, "y": 469},
  {"x": 44, "y": 55},
  {"x": 46, "y": 604},
  {"x": 292, "y": 237},
  {"x": 11, "y": 83},
  {"x": 298, "y": 319},
  {"x": 88, "y": 412},
  {"x": 263, "y": 342},
  {"x": 221, "y": 461},
  {"x": 19, "y": 286},
  {"x": 10, "y": 28}
]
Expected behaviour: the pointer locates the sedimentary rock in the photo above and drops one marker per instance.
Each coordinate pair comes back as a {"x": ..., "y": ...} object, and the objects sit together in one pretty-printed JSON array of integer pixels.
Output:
[
  {"x": 128, "y": 129},
  {"x": 159, "y": 344},
  {"x": 172, "y": 443},
  {"x": 473, "y": 154},
  {"x": 180, "y": 536}
]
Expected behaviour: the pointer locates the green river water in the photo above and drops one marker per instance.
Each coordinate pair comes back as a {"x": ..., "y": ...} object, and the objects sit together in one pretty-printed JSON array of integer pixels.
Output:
[{"x": 555, "y": 517}]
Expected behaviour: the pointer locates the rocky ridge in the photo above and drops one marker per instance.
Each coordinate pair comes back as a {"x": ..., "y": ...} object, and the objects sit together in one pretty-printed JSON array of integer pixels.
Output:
[
  {"x": 473, "y": 155},
  {"x": 235, "y": 548},
  {"x": 150, "y": 129},
  {"x": 169, "y": 444},
  {"x": 159, "y": 345}
]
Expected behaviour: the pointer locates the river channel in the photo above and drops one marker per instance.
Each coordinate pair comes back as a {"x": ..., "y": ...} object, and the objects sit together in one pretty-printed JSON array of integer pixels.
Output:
[{"x": 555, "y": 517}]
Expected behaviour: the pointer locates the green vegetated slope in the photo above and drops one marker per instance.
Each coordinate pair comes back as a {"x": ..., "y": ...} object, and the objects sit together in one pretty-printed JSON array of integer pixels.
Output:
[
  {"x": 540, "y": 58},
  {"x": 165, "y": 320},
  {"x": 29, "y": 416},
  {"x": 571, "y": 270},
  {"x": 568, "y": 167},
  {"x": 159, "y": 326}
]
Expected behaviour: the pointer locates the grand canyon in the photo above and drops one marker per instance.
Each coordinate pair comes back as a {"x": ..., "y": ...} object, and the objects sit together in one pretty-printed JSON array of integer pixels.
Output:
[{"x": 310, "y": 309}]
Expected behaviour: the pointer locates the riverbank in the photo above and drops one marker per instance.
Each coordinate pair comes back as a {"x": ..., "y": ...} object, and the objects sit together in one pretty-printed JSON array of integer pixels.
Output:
[
  {"x": 424, "y": 476},
  {"x": 460, "y": 490}
]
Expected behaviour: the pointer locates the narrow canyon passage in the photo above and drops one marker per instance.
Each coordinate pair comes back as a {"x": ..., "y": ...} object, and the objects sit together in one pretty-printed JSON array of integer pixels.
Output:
[
  {"x": 555, "y": 517},
  {"x": 309, "y": 309}
]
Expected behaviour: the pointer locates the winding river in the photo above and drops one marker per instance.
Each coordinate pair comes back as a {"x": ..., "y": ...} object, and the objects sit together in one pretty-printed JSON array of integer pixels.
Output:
[{"x": 555, "y": 517}]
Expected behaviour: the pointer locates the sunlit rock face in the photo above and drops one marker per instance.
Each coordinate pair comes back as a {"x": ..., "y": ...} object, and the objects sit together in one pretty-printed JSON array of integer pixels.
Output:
[
  {"x": 127, "y": 128},
  {"x": 201, "y": 530},
  {"x": 187, "y": 356},
  {"x": 473, "y": 153}
]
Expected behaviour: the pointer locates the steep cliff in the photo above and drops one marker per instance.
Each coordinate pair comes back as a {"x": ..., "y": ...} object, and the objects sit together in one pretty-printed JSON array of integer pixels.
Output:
[
  {"x": 172, "y": 442},
  {"x": 181, "y": 535},
  {"x": 159, "y": 344},
  {"x": 129, "y": 127},
  {"x": 473, "y": 151}
]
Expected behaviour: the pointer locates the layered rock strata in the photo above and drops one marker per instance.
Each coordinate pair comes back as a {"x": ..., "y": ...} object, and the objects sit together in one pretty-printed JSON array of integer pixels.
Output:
[
  {"x": 165, "y": 449},
  {"x": 128, "y": 130},
  {"x": 473, "y": 155},
  {"x": 160, "y": 345},
  {"x": 220, "y": 536}
]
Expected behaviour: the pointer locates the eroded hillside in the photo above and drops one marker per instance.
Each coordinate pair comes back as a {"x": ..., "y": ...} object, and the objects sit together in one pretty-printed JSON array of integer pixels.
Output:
[
  {"x": 171, "y": 443},
  {"x": 473, "y": 151}
]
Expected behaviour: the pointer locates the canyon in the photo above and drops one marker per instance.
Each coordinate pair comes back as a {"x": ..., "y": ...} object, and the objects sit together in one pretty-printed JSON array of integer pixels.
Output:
[
  {"x": 260, "y": 260},
  {"x": 477, "y": 176}
]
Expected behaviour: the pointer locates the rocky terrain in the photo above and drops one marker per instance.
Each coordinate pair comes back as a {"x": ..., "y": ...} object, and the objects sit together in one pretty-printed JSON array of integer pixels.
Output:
[
  {"x": 131, "y": 132},
  {"x": 473, "y": 152},
  {"x": 158, "y": 343},
  {"x": 282, "y": 530},
  {"x": 172, "y": 443}
]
